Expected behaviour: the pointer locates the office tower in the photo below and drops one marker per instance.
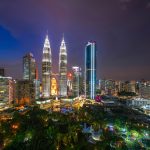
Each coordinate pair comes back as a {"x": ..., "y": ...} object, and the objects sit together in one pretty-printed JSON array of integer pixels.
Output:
[
  {"x": 144, "y": 90},
  {"x": 69, "y": 83},
  {"x": 2, "y": 72},
  {"x": 63, "y": 69},
  {"x": 46, "y": 68},
  {"x": 76, "y": 80},
  {"x": 29, "y": 67},
  {"x": 109, "y": 87},
  {"x": 37, "y": 85},
  {"x": 25, "y": 92},
  {"x": 6, "y": 91},
  {"x": 90, "y": 70}
]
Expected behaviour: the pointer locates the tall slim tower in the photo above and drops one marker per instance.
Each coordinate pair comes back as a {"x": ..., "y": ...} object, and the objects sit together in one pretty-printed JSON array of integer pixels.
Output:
[
  {"x": 46, "y": 68},
  {"x": 63, "y": 69},
  {"x": 90, "y": 70}
]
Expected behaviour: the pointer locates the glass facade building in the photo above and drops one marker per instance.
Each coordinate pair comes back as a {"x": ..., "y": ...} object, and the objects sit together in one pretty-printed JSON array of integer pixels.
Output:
[
  {"x": 29, "y": 67},
  {"x": 90, "y": 70},
  {"x": 76, "y": 80}
]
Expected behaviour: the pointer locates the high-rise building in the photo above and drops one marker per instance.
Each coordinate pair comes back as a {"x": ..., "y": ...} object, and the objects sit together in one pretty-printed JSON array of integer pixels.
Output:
[
  {"x": 46, "y": 68},
  {"x": 63, "y": 69},
  {"x": 6, "y": 91},
  {"x": 25, "y": 92},
  {"x": 90, "y": 70},
  {"x": 2, "y": 72},
  {"x": 76, "y": 80},
  {"x": 29, "y": 67}
]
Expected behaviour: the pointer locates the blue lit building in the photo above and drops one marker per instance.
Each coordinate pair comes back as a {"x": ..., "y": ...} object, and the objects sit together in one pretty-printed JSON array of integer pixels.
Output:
[{"x": 90, "y": 70}]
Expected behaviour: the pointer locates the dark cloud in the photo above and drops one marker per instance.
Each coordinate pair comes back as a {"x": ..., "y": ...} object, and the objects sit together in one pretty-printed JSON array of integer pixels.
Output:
[{"x": 120, "y": 27}]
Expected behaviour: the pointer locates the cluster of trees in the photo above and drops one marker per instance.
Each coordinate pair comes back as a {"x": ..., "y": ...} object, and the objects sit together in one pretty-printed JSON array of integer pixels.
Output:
[{"x": 41, "y": 130}]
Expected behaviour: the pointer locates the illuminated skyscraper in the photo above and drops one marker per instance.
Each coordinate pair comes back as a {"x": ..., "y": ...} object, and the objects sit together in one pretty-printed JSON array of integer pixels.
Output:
[
  {"x": 6, "y": 91},
  {"x": 63, "y": 69},
  {"x": 29, "y": 67},
  {"x": 90, "y": 70},
  {"x": 46, "y": 68}
]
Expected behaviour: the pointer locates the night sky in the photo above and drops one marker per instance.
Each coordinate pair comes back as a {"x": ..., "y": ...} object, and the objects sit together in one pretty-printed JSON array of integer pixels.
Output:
[{"x": 121, "y": 29}]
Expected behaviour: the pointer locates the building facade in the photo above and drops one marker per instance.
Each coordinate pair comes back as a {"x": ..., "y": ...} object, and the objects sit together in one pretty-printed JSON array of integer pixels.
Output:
[
  {"x": 29, "y": 67},
  {"x": 46, "y": 69},
  {"x": 144, "y": 90},
  {"x": 54, "y": 87},
  {"x": 76, "y": 71},
  {"x": 90, "y": 70},
  {"x": 69, "y": 83},
  {"x": 63, "y": 69},
  {"x": 25, "y": 92},
  {"x": 6, "y": 91}
]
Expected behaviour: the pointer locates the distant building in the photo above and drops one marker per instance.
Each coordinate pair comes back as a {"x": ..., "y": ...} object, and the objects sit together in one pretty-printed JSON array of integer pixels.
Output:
[
  {"x": 63, "y": 69},
  {"x": 102, "y": 86},
  {"x": 29, "y": 67},
  {"x": 37, "y": 84},
  {"x": 6, "y": 91},
  {"x": 69, "y": 83},
  {"x": 37, "y": 89},
  {"x": 25, "y": 92},
  {"x": 90, "y": 70},
  {"x": 54, "y": 87},
  {"x": 76, "y": 71},
  {"x": 46, "y": 69},
  {"x": 138, "y": 102},
  {"x": 30, "y": 72},
  {"x": 144, "y": 90},
  {"x": 110, "y": 87},
  {"x": 2, "y": 72}
]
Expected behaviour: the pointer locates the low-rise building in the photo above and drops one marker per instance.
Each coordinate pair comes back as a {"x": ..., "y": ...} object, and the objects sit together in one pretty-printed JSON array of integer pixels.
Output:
[{"x": 138, "y": 102}]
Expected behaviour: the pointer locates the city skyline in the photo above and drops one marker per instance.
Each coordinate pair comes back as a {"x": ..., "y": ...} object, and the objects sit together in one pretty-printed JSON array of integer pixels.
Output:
[
  {"x": 120, "y": 29},
  {"x": 74, "y": 74}
]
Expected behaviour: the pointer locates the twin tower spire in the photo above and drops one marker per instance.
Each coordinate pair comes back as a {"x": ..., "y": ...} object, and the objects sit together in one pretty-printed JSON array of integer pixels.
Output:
[{"x": 47, "y": 69}]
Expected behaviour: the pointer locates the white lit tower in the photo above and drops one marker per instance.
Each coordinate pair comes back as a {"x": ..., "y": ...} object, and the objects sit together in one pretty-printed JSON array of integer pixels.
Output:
[
  {"x": 46, "y": 68},
  {"x": 63, "y": 69}
]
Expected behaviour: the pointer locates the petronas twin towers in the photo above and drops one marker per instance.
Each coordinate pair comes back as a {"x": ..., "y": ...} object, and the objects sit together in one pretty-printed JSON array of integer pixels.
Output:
[{"x": 47, "y": 69}]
